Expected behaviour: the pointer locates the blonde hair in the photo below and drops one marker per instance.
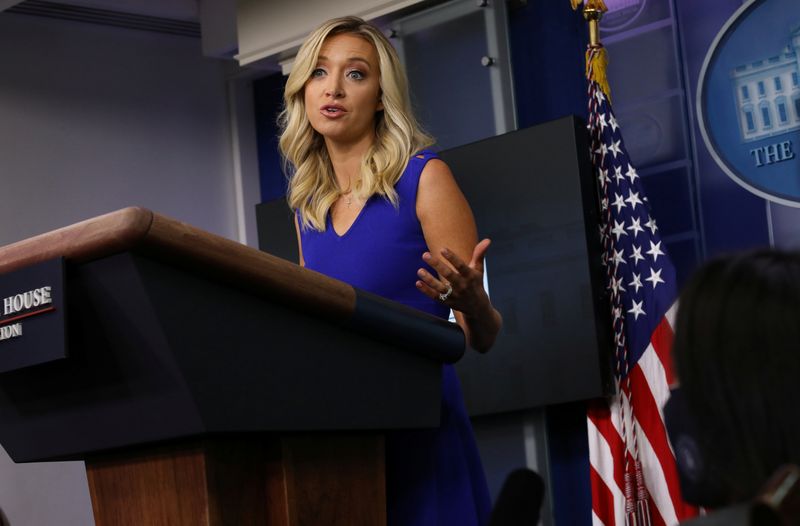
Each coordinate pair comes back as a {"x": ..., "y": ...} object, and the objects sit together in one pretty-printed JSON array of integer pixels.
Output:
[{"x": 312, "y": 183}]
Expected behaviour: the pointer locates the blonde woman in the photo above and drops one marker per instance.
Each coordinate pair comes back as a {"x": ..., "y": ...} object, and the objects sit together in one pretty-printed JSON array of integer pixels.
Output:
[{"x": 376, "y": 209}]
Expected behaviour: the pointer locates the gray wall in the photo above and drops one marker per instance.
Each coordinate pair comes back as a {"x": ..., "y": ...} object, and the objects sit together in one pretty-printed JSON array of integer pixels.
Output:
[{"x": 93, "y": 119}]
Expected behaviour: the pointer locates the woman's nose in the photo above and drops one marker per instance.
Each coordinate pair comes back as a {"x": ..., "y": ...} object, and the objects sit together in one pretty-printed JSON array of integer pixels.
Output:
[{"x": 334, "y": 89}]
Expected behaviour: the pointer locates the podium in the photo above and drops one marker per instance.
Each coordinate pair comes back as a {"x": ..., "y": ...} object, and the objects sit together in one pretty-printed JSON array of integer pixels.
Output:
[{"x": 205, "y": 382}]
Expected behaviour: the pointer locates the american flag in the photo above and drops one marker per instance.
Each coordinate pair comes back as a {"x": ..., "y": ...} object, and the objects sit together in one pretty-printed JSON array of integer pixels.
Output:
[{"x": 633, "y": 474}]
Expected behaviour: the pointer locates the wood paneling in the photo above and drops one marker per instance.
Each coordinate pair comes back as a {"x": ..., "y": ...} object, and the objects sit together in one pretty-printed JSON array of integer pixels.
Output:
[{"x": 299, "y": 480}]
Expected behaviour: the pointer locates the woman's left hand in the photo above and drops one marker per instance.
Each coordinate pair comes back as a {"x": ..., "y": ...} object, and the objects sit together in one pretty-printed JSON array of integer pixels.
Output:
[
  {"x": 447, "y": 222},
  {"x": 460, "y": 284}
]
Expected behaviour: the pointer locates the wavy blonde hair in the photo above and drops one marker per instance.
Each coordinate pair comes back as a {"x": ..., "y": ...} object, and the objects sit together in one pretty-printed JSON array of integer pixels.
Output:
[{"x": 312, "y": 183}]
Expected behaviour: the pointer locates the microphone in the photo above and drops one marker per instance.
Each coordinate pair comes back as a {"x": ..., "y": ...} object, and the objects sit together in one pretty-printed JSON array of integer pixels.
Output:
[{"x": 520, "y": 500}]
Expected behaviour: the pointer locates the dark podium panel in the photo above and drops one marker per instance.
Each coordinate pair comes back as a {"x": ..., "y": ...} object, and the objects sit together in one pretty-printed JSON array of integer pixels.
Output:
[
  {"x": 206, "y": 382},
  {"x": 157, "y": 353},
  {"x": 276, "y": 231},
  {"x": 533, "y": 194}
]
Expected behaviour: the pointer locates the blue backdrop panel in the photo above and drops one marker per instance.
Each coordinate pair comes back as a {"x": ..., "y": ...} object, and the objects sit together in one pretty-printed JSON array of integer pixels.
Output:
[
  {"x": 268, "y": 99},
  {"x": 548, "y": 41},
  {"x": 732, "y": 217}
]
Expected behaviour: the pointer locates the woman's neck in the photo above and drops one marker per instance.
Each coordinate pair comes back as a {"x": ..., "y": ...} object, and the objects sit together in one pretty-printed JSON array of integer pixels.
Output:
[{"x": 346, "y": 161}]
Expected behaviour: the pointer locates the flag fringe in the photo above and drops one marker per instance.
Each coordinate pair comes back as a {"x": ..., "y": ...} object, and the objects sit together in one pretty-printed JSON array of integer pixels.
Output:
[{"x": 596, "y": 67}]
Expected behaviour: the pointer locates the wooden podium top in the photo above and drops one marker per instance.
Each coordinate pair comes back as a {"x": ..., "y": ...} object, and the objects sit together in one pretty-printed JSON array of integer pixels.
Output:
[{"x": 143, "y": 231}]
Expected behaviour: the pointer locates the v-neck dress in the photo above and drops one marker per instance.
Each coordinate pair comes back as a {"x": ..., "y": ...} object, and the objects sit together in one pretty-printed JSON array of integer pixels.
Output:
[{"x": 434, "y": 477}]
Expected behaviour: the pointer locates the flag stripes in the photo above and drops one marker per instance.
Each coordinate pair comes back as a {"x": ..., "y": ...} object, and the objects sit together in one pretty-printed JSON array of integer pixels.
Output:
[{"x": 650, "y": 391}]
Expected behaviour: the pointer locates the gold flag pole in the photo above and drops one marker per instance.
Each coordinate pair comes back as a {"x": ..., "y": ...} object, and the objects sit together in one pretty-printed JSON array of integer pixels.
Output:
[{"x": 596, "y": 57}]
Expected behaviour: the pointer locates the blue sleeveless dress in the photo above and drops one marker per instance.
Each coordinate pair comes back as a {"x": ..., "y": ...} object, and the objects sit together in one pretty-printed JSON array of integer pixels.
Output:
[{"x": 434, "y": 477}]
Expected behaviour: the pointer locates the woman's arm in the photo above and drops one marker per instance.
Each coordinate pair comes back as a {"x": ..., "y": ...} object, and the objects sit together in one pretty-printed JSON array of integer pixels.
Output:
[{"x": 456, "y": 255}]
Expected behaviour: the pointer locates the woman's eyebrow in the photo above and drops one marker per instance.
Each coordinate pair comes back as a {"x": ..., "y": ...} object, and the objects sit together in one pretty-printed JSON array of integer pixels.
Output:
[
  {"x": 355, "y": 58},
  {"x": 359, "y": 59}
]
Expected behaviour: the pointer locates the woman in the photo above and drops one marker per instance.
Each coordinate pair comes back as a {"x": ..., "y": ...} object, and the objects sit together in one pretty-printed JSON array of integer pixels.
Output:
[
  {"x": 733, "y": 421},
  {"x": 370, "y": 202}
]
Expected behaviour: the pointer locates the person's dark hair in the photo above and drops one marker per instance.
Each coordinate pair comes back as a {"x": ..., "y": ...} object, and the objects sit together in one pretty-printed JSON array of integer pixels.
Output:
[{"x": 736, "y": 352}]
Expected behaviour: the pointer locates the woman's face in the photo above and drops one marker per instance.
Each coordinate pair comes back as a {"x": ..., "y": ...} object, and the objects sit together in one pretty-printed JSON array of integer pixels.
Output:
[{"x": 343, "y": 93}]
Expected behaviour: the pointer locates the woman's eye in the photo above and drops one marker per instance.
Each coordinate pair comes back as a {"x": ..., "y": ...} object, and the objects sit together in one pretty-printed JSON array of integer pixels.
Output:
[
  {"x": 355, "y": 75},
  {"x": 317, "y": 73}
]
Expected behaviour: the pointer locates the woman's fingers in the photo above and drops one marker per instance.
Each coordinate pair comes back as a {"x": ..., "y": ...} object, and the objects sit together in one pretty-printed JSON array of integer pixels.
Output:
[
  {"x": 455, "y": 275},
  {"x": 444, "y": 270},
  {"x": 426, "y": 289},
  {"x": 436, "y": 284},
  {"x": 479, "y": 253},
  {"x": 457, "y": 262}
]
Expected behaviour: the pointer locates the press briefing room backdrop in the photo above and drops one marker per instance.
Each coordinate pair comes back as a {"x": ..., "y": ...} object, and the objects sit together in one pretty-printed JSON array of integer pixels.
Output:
[{"x": 171, "y": 105}]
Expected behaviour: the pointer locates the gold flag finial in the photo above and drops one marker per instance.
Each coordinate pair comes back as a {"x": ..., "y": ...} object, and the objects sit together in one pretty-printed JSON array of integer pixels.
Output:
[
  {"x": 592, "y": 11},
  {"x": 596, "y": 57}
]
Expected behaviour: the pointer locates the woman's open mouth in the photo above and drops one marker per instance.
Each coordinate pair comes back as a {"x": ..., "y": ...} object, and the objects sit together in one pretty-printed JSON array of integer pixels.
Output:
[{"x": 332, "y": 110}]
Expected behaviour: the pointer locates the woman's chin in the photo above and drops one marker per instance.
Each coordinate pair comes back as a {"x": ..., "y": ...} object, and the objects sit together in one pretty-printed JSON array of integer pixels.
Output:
[{"x": 341, "y": 137}]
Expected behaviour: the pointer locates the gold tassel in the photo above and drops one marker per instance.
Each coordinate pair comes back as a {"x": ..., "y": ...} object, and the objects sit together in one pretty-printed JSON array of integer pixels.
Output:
[
  {"x": 596, "y": 65},
  {"x": 590, "y": 4},
  {"x": 597, "y": 4},
  {"x": 596, "y": 56}
]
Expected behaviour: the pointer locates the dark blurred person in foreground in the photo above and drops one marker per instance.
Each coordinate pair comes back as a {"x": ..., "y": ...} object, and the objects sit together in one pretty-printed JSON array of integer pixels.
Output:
[
  {"x": 734, "y": 419},
  {"x": 520, "y": 500}
]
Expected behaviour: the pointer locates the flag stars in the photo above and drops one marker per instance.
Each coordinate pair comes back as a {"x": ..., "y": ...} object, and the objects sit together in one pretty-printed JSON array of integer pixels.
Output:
[
  {"x": 602, "y": 120},
  {"x": 636, "y": 227},
  {"x": 619, "y": 229},
  {"x": 655, "y": 277},
  {"x": 651, "y": 224},
  {"x": 616, "y": 285},
  {"x": 637, "y": 310},
  {"x": 619, "y": 202},
  {"x": 637, "y": 282},
  {"x": 602, "y": 150},
  {"x": 655, "y": 250},
  {"x": 603, "y": 177},
  {"x": 637, "y": 255},
  {"x": 614, "y": 148},
  {"x": 618, "y": 257},
  {"x": 631, "y": 173},
  {"x": 618, "y": 174},
  {"x": 633, "y": 199},
  {"x": 598, "y": 94},
  {"x": 612, "y": 121}
]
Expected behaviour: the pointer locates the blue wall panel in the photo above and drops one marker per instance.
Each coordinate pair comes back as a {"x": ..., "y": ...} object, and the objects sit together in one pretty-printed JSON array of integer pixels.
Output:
[
  {"x": 733, "y": 218},
  {"x": 548, "y": 41},
  {"x": 268, "y": 98}
]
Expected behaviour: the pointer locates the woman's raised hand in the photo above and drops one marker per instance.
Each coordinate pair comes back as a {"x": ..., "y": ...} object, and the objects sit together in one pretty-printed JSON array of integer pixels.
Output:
[{"x": 459, "y": 284}]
